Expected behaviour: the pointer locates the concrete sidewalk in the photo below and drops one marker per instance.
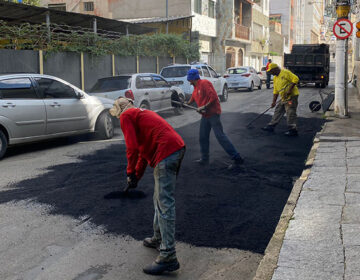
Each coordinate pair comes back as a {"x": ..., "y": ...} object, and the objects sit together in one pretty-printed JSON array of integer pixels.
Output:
[{"x": 319, "y": 230}]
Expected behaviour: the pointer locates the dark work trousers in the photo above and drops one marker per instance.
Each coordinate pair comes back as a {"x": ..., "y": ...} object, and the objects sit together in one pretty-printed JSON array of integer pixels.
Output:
[
  {"x": 205, "y": 127},
  {"x": 268, "y": 80}
]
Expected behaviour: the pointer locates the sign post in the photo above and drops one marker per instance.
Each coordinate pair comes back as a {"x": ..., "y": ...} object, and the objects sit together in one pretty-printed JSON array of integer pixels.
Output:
[{"x": 342, "y": 29}]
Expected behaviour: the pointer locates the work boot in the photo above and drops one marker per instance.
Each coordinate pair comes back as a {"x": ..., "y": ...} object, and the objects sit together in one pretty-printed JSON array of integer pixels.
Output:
[
  {"x": 152, "y": 242},
  {"x": 291, "y": 132},
  {"x": 161, "y": 265},
  {"x": 236, "y": 164},
  {"x": 202, "y": 161},
  {"x": 269, "y": 128}
]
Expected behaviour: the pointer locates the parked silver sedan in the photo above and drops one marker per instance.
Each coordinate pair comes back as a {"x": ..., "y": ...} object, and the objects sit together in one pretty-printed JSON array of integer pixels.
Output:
[
  {"x": 149, "y": 91},
  {"x": 35, "y": 107}
]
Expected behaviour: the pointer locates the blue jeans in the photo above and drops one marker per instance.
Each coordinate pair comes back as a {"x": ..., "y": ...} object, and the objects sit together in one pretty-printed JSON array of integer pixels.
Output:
[
  {"x": 165, "y": 174},
  {"x": 205, "y": 127}
]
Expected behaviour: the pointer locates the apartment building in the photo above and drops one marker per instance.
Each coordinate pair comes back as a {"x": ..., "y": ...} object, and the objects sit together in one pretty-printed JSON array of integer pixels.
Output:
[
  {"x": 313, "y": 26},
  {"x": 259, "y": 50},
  {"x": 94, "y": 7},
  {"x": 286, "y": 10},
  {"x": 277, "y": 40}
]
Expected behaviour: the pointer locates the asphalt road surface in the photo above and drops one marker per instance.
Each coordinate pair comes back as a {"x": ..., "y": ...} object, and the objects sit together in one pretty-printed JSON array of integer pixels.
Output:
[{"x": 55, "y": 224}]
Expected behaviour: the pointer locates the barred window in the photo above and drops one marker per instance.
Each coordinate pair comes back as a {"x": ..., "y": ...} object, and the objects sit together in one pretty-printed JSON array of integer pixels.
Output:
[
  {"x": 198, "y": 7},
  {"x": 88, "y": 6},
  {"x": 211, "y": 9}
]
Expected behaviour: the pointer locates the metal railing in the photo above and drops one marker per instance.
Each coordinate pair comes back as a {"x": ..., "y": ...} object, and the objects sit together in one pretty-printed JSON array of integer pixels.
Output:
[{"x": 242, "y": 32}]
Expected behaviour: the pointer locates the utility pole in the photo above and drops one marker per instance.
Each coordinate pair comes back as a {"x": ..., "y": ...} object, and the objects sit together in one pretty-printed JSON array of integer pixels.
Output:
[
  {"x": 341, "y": 67},
  {"x": 167, "y": 16}
]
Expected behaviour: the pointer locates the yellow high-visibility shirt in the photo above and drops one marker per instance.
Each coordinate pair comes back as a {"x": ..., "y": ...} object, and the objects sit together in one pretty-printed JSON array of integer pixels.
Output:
[{"x": 284, "y": 79}]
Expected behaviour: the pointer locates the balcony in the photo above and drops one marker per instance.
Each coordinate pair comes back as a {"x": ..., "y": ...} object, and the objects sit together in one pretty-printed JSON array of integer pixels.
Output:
[{"x": 242, "y": 32}]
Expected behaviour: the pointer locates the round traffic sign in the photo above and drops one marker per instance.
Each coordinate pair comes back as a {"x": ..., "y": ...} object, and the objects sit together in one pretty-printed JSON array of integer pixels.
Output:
[{"x": 343, "y": 29}]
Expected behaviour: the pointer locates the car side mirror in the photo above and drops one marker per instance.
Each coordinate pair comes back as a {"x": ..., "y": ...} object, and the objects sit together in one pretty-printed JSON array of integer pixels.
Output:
[{"x": 79, "y": 95}]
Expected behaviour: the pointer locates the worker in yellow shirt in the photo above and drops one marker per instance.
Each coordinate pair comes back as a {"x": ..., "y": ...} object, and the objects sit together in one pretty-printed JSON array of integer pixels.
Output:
[{"x": 284, "y": 85}]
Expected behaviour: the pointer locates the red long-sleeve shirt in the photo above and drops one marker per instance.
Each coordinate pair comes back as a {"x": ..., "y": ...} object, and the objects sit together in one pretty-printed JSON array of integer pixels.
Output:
[
  {"x": 204, "y": 93},
  {"x": 149, "y": 139}
]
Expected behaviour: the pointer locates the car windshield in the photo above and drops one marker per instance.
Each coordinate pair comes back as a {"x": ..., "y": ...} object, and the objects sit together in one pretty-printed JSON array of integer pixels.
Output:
[
  {"x": 238, "y": 71},
  {"x": 111, "y": 84},
  {"x": 176, "y": 71}
]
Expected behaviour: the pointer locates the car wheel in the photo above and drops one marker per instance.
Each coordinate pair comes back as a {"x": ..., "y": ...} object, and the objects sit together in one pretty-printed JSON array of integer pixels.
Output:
[
  {"x": 145, "y": 106},
  {"x": 104, "y": 126},
  {"x": 251, "y": 88},
  {"x": 179, "y": 110},
  {"x": 260, "y": 85},
  {"x": 3, "y": 144},
  {"x": 225, "y": 94},
  {"x": 323, "y": 85}
]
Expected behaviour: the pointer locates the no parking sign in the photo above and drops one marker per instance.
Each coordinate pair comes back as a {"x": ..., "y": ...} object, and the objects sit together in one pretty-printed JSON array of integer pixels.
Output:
[{"x": 343, "y": 29}]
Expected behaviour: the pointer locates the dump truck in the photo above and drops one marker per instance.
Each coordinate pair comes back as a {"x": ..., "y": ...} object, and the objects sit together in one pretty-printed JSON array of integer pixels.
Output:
[{"x": 310, "y": 62}]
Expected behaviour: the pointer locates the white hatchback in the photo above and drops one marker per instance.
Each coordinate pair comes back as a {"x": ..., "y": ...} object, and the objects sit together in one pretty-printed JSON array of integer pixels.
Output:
[{"x": 243, "y": 77}]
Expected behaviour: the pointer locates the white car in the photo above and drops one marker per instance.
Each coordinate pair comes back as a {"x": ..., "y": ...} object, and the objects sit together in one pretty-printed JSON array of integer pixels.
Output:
[
  {"x": 148, "y": 90},
  {"x": 36, "y": 107},
  {"x": 243, "y": 77},
  {"x": 176, "y": 74},
  {"x": 263, "y": 76}
]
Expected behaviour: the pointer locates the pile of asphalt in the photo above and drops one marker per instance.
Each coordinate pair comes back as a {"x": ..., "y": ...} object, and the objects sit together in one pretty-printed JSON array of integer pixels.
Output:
[{"x": 215, "y": 207}]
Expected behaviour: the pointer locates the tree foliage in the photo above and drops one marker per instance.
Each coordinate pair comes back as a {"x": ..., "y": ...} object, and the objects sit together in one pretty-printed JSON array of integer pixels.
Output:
[{"x": 28, "y": 2}]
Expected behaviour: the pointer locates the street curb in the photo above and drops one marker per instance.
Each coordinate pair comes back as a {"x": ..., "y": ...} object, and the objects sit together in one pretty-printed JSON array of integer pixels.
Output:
[{"x": 268, "y": 263}]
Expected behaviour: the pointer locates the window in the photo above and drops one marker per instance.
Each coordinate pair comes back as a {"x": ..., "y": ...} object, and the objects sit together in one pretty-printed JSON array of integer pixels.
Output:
[
  {"x": 160, "y": 82},
  {"x": 53, "y": 89},
  {"x": 175, "y": 72},
  {"x": 238, "y": 71},
  {"x": 211, "y": 9},
  {"x": 198, "y": 7},
  {"x": 88, "y": 6},
  {"x": 145, "y": 82},
  {"x": 59, "y": 7},
  {"x": 111, "y": 84},
  {"x": 213, "y": 73},
  {"x": 206, "y": 71},
  {"x": 20, "y": 88}
]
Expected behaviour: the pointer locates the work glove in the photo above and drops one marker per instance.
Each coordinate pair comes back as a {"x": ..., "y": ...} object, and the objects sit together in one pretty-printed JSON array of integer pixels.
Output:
[
  {"x": 201, "y": 109},
  {"x": 132, "y": 181}
]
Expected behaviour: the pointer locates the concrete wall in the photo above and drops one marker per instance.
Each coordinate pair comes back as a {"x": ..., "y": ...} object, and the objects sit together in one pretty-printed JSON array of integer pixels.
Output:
[
  {"x": 125, "y": 65},
  {"x": 96, "y": 68},
  {"x": 19, "y": 61},
  {"x": 67, "y": 66},
  {"x": 56, "y": 63},
  {"x": 124, "y": 9}
]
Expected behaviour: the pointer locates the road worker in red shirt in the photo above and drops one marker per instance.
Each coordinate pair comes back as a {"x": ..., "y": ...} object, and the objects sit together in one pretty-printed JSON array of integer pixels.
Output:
[
  {"x": 208, "y": 104},
  {"x": 151, "y": 140}
]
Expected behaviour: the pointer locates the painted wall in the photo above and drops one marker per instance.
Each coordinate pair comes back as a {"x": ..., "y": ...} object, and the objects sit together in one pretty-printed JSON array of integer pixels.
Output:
[
  {"x": 148, "y": 8},
  {"x": 101, "y": 7}
]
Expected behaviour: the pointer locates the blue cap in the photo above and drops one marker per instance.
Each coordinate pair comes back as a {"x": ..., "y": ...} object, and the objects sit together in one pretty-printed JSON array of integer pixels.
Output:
[{"x": 193, "y": 75}]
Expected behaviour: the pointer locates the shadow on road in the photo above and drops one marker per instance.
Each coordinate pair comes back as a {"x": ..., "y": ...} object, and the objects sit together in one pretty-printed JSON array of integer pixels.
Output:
[{"x": 215, "y": 207}]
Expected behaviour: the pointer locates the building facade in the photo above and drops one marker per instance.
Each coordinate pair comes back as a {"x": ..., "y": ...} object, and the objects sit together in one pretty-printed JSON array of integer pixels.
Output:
[
  {"x": 259, "y": 51},
  {"x": 286, "y": 10},
  {"x": 313, "y": 26},
  {"x": 94, "y": 7}
]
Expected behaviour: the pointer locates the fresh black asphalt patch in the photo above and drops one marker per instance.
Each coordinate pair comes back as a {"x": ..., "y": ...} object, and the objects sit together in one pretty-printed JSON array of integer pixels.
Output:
[{"x": 215, "y": 207}]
